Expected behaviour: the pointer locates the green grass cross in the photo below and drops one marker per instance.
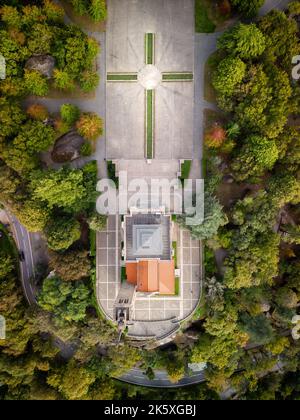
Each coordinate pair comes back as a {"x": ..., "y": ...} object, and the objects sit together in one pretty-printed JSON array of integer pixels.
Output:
[{"x": 132, "y": 77}]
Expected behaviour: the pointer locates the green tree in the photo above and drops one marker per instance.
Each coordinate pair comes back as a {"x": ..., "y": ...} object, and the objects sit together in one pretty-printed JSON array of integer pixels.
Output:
[
  {"x": 245, "y": 41},
  {"x": 257, "y": 155},
  {"x": 11, "y": 117},
  {"x": 73, "y": 381},
  {"x": 63, "y": 188},
  {"x": 89, "y": 80},
  {"x": 36, "y": 83},
  {"x": 67, "y": 301},
  {"x": 254, "y": 266},
  {"x": 97, "y": 10},
  {"x": 230, "y": 72},
  {"x": 63, "y": 80},
  {"x": 248, "y": 8},
  {"x": 214, "y": 218},
  {"x": 281, "y": 37},
  {"x": 97, "y": 222},
  {"x": 258, "y": 328},
  {"x": 62, "y": 232},
  {"x": 53, "y": 11},
  {"x": 71, "y": 266},
  {"x": 32, "y": 214},
  {"x": 11, "y": 16},
  {"x": 70, "y": 114}
]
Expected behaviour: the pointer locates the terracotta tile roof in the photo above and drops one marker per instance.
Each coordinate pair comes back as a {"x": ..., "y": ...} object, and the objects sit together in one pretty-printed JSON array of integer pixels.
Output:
[{"x": 152, "y": 276}]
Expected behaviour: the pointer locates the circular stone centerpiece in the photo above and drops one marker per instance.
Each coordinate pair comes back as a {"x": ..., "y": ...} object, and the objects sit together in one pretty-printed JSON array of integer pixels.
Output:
[{"x": 149, "y": 77}]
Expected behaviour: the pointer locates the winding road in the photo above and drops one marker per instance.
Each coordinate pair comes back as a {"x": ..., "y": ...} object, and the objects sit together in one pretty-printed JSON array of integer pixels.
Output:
[
  {"x": 137, "y": 377},
  {"x": 35, "y": 253}
]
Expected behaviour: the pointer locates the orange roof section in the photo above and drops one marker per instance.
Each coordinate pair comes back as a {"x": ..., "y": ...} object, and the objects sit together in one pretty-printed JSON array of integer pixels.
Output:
[
  {"x": 166, "y": 277},
  {"x": 152, "y": 276}
]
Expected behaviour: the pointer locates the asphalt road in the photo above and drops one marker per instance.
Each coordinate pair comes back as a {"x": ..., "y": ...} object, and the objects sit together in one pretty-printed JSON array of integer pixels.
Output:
[
  {"x": 30, "y": 244},
  {"x": 273, "y": 4},
  {"x": 137, "y": 377}
]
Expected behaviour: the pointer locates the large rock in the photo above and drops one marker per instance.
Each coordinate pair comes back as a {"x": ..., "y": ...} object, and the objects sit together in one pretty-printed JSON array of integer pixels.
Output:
[
  {"x": 44, "y": 64},
  {"x": 67, "y": 147}
]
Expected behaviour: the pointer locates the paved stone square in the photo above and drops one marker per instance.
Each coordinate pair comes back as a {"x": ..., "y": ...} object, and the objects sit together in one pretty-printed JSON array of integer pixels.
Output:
[{"x": 172, "y": 23}]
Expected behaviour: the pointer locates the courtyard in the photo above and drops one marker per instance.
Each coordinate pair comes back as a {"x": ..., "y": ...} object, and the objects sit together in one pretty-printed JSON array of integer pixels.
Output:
[{"x": 150, "y": 89}]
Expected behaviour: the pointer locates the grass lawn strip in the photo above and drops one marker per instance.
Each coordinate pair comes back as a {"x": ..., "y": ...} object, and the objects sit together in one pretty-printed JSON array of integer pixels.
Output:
[
  {"x": 122, "y": 77},
  {"x": 149, "y": 123},
  {"x": 149, "y": 49},
  {"x": 178, "y": 77}
]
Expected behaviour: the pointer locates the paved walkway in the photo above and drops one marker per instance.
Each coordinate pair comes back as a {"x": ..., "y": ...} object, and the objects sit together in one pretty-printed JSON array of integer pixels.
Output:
[{"x": 108, "y": 265}]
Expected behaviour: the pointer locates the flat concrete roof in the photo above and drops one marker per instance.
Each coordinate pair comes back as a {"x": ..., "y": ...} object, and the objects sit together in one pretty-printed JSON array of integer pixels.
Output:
[{"x": 147, "y": 236}]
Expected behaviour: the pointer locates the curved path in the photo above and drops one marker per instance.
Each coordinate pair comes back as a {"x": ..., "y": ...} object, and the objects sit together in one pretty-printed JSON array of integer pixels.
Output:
[
  {"x": 35, "y": 253},
  {"x": 273, "y": 4},
  {"x": 137, "y": 377}
]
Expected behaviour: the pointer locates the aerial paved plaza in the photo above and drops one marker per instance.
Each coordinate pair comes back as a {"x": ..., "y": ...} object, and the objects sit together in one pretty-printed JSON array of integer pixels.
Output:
[{"x": 149, "y": 202}]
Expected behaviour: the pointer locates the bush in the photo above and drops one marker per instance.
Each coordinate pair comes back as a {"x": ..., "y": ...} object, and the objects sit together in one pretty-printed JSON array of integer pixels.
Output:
[
  {"x": 86, "y": 149},
  {"x": 230, "y": 72},
  {"x": 35, "y": 83},
  {"x": 63, "y": 80},
  {"x": 89, "y": 80},
  {"x": 90, "y": 126},
  {"x": 69, "y": 114},
  {"x": 215, "y": 137},
  {"x": 38, "y": 112}
]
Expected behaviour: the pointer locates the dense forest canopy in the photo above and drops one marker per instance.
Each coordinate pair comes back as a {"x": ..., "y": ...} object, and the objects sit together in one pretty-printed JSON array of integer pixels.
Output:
[{"x": 63, "y": 348}]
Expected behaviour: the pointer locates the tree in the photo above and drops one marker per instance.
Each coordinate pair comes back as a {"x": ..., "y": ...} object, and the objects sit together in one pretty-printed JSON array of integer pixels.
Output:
[
  {"x": 37, "y": 112},
  {"x": 11, "y": 16},
  {"x": 53, "y": 11},
  {"x": 67, "y": 301},
  {"x": 214, "y": 218},
  {"x": 89, "y": 80},
  {"x": 248, "y": 8},
  {"x": 33, "y": 137},
  {"x": 97, "y": 10},
  {"x": 69, "y": 114},
  {"x": 62, "y": 232},
  {"x": 230, "y": 72},
  {"x": 71, "y": 266},
  {"x": 97, "y": 222},
  {"x": 6, "y": 263},
  {"x": 63, "y": 188},
  {"x": 281, "y": 36},
  {"x": 257, "y": 155},
  {"x": 294, "y": 9},
  {"x": 258, "y": 328},
  {"x": 11, "y": 118},
  {"x": 245, "y": 41},
  {"x": 215, "y": 136},
  {"x": 286, "y": 297},
  {"x": 90, "y": 126},
  {"x": 254, "y": 266},
  {"x": 73, "y": 381},
  {"x": 63, "y": 80},
  {"x": 32, "y": 214},
  {"x": 36, "y": 83},
  {"x": 123, "y": 359},
  {"x": 283, "y": 190}
]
